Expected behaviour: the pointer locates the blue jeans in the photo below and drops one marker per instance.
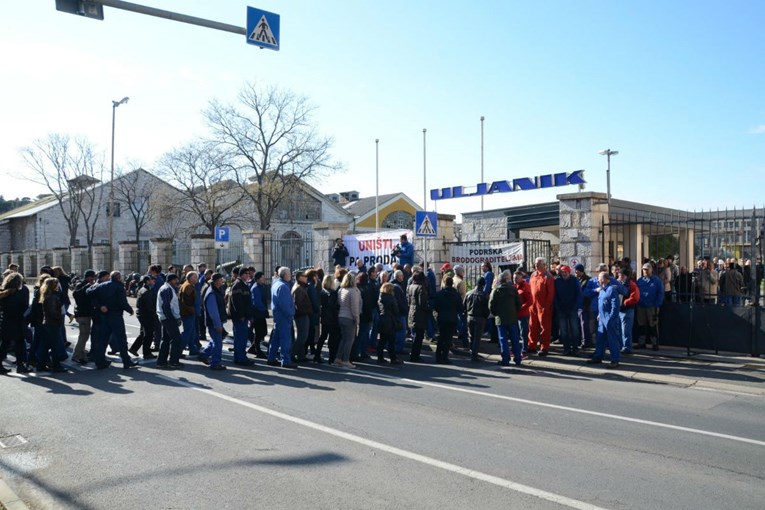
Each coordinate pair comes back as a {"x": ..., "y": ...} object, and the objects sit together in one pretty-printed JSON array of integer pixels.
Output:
[
  {"x": 362, "y": 339},
  {"x": 462, "y": 333},
  {"x": 214, "y": 349},
  {"x": 609, "y": 333},
  {"x": 190, "y": 334},
  {"x": 401, "y": 334},
  {"x": 373, "y": 330},
  {"x": 569, "y": 325},
  {"x": 511, "y": 331},
  {"x": 627, "y": 318},
  {"x": 241, "y": 332},
  {"x": 523, "y": 326},
  {"x": 281, "y": 341}
]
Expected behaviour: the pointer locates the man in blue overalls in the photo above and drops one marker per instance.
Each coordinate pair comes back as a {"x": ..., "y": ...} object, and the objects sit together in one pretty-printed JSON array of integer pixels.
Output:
[{"x": 609, "y": 324}]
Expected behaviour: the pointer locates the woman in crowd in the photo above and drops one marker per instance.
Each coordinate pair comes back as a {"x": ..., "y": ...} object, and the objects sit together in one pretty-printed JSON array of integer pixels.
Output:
[
  {"x": 349, "y": 313},
  {"x": 14, "y": 300},
  {"x": 52, "y": 322},
  {"x": 419, "y": 312},
  {"x": 330, "y": 327},
  {"x": 389, "y": 324}
]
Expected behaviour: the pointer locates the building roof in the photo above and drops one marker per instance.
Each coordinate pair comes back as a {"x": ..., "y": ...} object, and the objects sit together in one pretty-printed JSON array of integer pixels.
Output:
[
  {"x": 30, "y": 209},
  {"x": 364, "y": 205}
]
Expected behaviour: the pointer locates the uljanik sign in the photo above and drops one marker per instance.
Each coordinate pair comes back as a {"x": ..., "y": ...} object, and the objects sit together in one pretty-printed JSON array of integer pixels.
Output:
[{"x": 520, "y": 184}]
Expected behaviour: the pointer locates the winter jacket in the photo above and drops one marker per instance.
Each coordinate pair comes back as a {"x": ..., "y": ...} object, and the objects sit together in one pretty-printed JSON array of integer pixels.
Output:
[
  {"x": 388, "y": 314},
  {"x": 168, "y": 307},
  {"x": 239, "y": 301},
  {"x": 53, "y": 314},
  {"x": 504, "y": 304},
  {"x": 731, "y": 283},
  {"x": 476, "y": 304},
  {"x": 82, "y": 304},
  {"x": 369, "y": 297},
  {"x": 399, "y": 291},
  {"x": 187, "y": 299},
  {"x": 215, "y": 307},
  {"x": 339, "y": 254},
  {"x": 524, "y": 292},
  {"x": 146, "y": 303},
  {"x": 568, "y": 294},
  {"x": 350, "y": 303},
  {"x": 406, "y": 253},
  {"x": 448, "y": 305},
  {"x": 651, "y": 292},
  {"x": 459, "y": 284},
  {"x": 633, "y": 297},
  {"x": 608, "y": 305},
  {"x": 330, "y": 307},
  {"x": 419, "y": 310},
  {"x": 303, "y": 306},
  {"x": 314, "y": 294},
  {"x": 258, "y": 295},
  {"x": 112, "y": 295},
  {"x": 13, "y": 304}
]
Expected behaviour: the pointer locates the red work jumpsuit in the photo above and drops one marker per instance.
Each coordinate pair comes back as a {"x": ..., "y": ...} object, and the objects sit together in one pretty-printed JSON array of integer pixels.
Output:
[{"x": 540, "y": 324}]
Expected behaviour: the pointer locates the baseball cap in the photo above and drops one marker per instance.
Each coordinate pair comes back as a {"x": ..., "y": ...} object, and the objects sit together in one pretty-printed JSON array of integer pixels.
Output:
[
  {"x": 579, "y": 267},
  {"x": 565, "y": 268},
  {"x": 647, "y": 265}
]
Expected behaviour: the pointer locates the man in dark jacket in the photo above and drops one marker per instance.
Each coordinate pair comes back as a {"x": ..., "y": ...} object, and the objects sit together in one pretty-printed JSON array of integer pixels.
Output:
[
  {"x": 568, "y": 305},
  {"x": 504, "y": 304},
  {"x": 215, "y": 317},
  {"x": 419, "y": 312},
  {"x": 447, "y": 306},
  {"x": 146, "y": 311},
  {"x": 476, "y": 309},
  {"x": 169, "y": 312},
  {"x": 399, "y": 292},
  {"x": 303, "y": 312},
  {"x": 259, "y": 292},
  {"x": 340, "y": 253},
  {"x": 240, "y": 311},
  {"x": 83, "y": 310},
  {"x": 112, "y": 302}
]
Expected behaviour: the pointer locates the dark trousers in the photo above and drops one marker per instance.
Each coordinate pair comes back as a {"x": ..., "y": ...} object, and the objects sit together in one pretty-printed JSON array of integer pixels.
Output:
[
  {"x": 446, "y": 332},
  {"x": 171, "y": 342},
  {"x": 475, "y": 328},
  {"x": 419, "y": 334},
  {"x": 331, "y": 332},
  {"x": 145, "y": 337},
  {"x": 16, "y": 339},
  {"x": 387, "y": 340},
  {"x": 111, "y": 326}
]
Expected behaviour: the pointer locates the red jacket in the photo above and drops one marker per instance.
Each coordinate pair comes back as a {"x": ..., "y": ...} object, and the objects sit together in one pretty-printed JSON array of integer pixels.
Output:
[
  {"x": 524, "y": 291},
  {"x": 542, "y": 290},
  {"x": 634, "y": 296}
]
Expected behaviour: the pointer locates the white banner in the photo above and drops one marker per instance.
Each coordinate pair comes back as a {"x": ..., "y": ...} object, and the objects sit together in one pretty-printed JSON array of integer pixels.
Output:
[
  {"x": 475, "y": 254},
  {"x": 375, "y": 247}
]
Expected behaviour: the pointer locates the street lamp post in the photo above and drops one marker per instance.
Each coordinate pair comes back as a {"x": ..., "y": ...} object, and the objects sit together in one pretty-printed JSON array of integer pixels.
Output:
[
  {"x": 608, "y": 153},
  {"x": 115, "y": 104},
  {"x": 424, "y": 192},
  {"x": 482, "y": 119}
]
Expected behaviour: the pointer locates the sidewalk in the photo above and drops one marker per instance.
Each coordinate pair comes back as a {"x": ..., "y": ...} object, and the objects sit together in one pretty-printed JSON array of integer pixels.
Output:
[{"x": 732, "y": 372}]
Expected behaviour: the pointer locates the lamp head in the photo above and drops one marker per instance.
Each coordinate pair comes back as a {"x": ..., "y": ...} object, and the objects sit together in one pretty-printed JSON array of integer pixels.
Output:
[
  {"x": 608, "y": 152},
  {"x": 124, "y": 100}
]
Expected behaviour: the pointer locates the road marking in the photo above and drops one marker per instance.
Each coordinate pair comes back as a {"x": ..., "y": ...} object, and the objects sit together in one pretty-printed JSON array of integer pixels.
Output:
[
  {"x": 446, "y": 466},
  {"x": 574, "y": 410}
]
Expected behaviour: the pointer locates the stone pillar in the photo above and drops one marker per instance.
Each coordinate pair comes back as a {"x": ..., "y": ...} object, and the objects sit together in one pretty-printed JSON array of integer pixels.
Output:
[
  {"x": 687, "y": 252},
  {"x": 101, "y": 257},
  {"x": 128, "y": 253},
  {"x": 439, "y": 250},
  {"x": 161, "y": 250},
  {"x": 259, "y": 248},
  {"x": 79, "y": 256},
  {"x": 324, "y": 235},
  {"x": 203, "y": 250},
  {"x": 581, "y": 227},
  {"x": 61, "y": 258},
  {"x": 29, "y": 263},
  {"x": 5, "y": 259}
]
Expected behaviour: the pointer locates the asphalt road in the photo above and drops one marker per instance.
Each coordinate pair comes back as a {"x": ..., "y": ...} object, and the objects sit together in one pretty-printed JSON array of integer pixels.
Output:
[{"x": 416, "y": 436}]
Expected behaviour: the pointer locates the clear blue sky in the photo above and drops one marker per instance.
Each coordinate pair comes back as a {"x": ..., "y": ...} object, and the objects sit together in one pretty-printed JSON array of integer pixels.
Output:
[{"x": 677, "y": 87}]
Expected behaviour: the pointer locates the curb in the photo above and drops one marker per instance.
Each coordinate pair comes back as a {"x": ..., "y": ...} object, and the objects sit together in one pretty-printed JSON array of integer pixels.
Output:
[
  {"x": 630, "y": 374},
  {"x": 9, "y": 500}
]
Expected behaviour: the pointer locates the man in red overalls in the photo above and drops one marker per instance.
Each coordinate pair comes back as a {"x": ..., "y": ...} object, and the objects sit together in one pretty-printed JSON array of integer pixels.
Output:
[{"x": 542, "y": 295}]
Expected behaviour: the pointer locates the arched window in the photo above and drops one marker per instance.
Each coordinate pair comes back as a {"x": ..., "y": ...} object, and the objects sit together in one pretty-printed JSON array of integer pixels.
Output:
[{"x": 398, "y": 220}]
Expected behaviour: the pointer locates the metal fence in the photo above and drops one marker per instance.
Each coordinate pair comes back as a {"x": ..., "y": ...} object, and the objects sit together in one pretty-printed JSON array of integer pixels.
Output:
[
  {"x": 293, "y": 252},
  {"x": 701, "y": 316}
]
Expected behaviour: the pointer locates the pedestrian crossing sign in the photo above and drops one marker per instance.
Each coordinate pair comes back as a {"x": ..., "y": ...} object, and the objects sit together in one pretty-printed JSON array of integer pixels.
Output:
[
  {"x": 426, "y": 224},
  {"x": 263, "y": 28}
]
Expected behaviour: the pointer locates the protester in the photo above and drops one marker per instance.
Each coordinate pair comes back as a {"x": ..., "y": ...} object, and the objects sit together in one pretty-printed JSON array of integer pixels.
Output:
[
  {"x": 447, "y": 306},
  {"x": 169, "y": 312},
  {"x": 543, "y": 295},
  {"x": 14, "y": 300},
  {"x": 146, "y": 312},
  {"x": 283, "y": 312},
  {"x": 476, "y": 309},
  {"x": 215, "y": 318},
  {"x": 504, "y": 304},
  {"x": 609, "y": 325},
  {"x": 568, "y": 304},
  {"x": 389, "y": 323},
  {"x": 349, "y": 314},
  {"x": 627, "y": 311}
]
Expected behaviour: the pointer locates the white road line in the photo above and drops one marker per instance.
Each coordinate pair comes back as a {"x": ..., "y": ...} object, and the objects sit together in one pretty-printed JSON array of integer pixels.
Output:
[
  {"x": 573, "y": 409},
  {"x": 476, "y": 475}
]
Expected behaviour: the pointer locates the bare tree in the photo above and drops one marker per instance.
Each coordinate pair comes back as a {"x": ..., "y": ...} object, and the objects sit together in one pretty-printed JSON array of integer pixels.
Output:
[
  {"x": 206, "y": 190},
  {"x": 134, "y": 190},
  {"x": 71, "y": 171},
  {"x": 272, "y": 145}
]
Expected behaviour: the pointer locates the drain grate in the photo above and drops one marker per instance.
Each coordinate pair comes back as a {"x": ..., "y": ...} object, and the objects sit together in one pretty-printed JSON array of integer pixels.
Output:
[{"x": 11, "y": 441}]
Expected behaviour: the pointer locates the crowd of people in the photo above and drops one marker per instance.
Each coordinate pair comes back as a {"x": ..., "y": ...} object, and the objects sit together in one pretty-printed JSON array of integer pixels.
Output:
[{"x": 357, "y": 312}]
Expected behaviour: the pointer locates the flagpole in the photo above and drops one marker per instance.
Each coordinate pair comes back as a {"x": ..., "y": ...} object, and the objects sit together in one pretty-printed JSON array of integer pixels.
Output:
[
  {"x": 482, "y": 118},
  {"x": 377, "y": 184},
  {"x": 424, "y": 191}
]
